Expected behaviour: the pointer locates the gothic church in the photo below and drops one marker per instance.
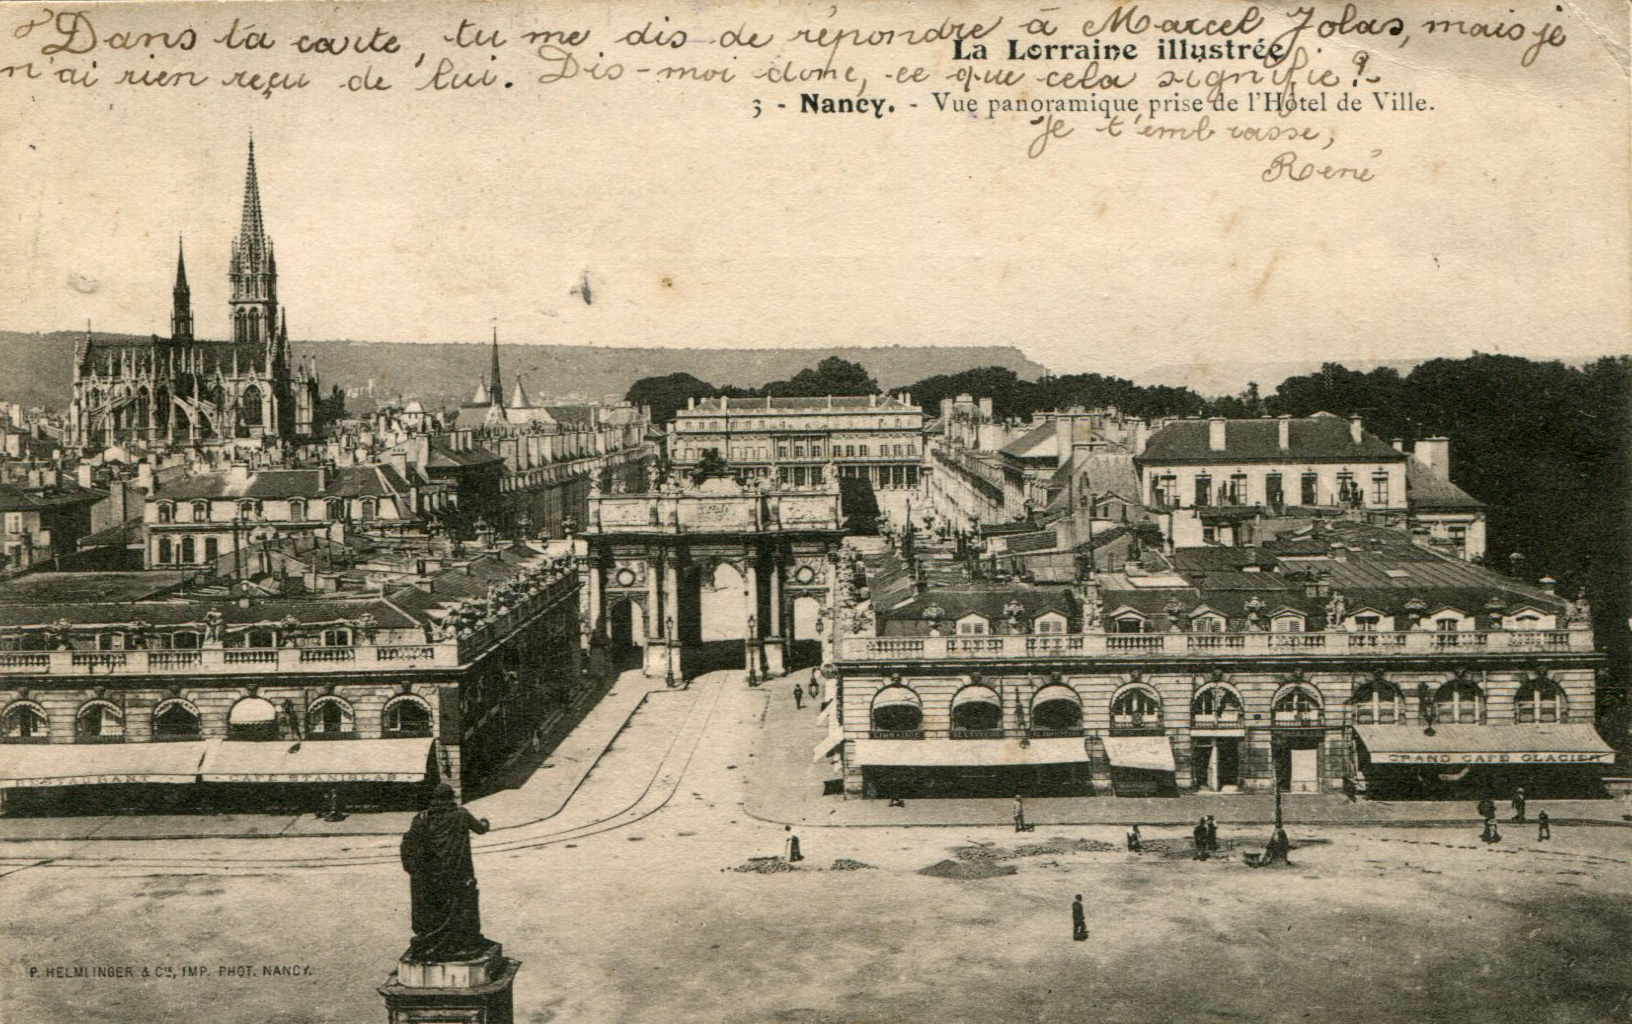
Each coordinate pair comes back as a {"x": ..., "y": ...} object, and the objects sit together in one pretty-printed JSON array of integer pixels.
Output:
[{"x": 184, "y": 390}]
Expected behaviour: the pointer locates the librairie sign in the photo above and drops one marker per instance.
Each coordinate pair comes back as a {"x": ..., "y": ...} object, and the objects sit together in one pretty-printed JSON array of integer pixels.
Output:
[{"x": 1488, "y": 757}]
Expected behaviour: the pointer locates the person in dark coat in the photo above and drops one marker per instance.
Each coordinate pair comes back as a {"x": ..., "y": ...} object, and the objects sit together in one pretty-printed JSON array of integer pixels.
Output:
[
  {"x": 1019, "y": 814},
  {"x": 1487, "y": 808},
  {"x": 1198, "y": 836},
  {"x": 1079, "y": 920},
  {"x": 798, "y": 696},
  {"x": 1136, "y": 842},
  {"x": 1544, "y": 827},
  {"x": 1212, "y": 835},
  {"x": 1491, "y": 834},
  {"x": 1518, "y": 805},
  {"x": 815, "y": 688},
  {"x": 793, "y": 845},
  {"x": 435, "y": 852}
]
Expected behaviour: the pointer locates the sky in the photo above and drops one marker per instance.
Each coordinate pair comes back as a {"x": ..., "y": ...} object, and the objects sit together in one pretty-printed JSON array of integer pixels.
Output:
[{"x": 1497, "y": 223}]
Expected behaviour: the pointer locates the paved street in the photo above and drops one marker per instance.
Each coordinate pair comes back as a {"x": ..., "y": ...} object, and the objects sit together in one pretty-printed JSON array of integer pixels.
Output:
[{"x": 620, "y": 898}]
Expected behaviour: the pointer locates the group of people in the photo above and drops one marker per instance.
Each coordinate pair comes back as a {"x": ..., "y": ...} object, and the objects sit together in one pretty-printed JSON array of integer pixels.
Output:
[
  {"x": 1205, "y": 837},
  {"x": 1492, "y": 834}
]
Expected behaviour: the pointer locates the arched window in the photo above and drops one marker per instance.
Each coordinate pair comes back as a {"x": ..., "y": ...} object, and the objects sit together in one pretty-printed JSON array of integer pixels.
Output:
[
  {"x": 201, "y": 511},
  {"x": 167, "y": 552},
  {"x": 1136, "y": 706},
  {"x": 189, "y": 550},
  {"x": 252, "y": 718},
  {"x": 1378, "y": 702},
  {"x": 330, "y": 718},
  {"x": 406, "y": 715},
  {"x": 1056, "y": 708},
  {"x": 167, "y": 512},
  {"x": 976, "y": 708},
  {"x": 176, "y": 719},
  {"x": 1215, "y": 706},
  {"x": 369, "y": 507},
  {"x": 1297, "y": 705},
  {"x": 25, "y": 722},
  {"x": 1540, "y": 700},
  {"x": 1460, "y": 700},
  {"x": 99, "y": 721},
  {"x": 297, "y": 510},
  {"x": 249, "y": 407},
  {"x": 334, "y": 509}
]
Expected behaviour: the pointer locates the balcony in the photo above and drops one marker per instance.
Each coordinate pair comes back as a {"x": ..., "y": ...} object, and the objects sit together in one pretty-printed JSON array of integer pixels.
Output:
[
  {"x": 1216, "y": 720},
  {"x": 231, "y": 661},
  {"x": 1212, "y": 646},
  {"x": 1308, "y": 719},
  {"x": 1136, "y": 725}
]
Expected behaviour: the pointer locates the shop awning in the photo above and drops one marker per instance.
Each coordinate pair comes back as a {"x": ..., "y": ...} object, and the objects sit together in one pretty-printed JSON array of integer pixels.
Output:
[
  {"x": 316, "y": 761},
  {"x": 829, "y": 741},
  {"x": 983, "y": 752},
  {"x": 1528, "y": 743},
  {"x": 1146, "y": 753},
  {"x": 99, "y": 764}
]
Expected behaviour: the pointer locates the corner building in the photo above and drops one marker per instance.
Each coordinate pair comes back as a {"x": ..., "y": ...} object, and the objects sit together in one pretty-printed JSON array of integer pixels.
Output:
[{"x": 1343, "y": 658}]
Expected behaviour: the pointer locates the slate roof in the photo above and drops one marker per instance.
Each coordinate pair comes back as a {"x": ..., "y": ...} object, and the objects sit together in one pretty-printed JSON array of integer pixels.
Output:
[
  {"x": 43, "y": 588},
  {"x": 342, "y": 482},
  {"x": 17, "y": 499},
  {"x": 443, "y": 457},
  {"x": 846, "y": 403},
  {"x": 987, "y": 601},
  {"x": 1318, "y": 438},
  {"x": 1428, "y": 491}
]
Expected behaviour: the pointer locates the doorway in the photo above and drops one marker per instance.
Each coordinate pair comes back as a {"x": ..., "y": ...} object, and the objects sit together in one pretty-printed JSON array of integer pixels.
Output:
[
  {"x": 1217, "y": 764},
  {"x": 1297, "y": 764}
]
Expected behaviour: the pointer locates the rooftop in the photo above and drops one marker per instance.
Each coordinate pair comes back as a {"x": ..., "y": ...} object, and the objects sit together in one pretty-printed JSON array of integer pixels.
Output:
[{"x": 1318, "y": 438}]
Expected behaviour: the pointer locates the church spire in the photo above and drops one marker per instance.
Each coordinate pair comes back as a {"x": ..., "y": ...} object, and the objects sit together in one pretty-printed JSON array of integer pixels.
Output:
[
  {"x": 495, "y": 386},
  {"x": 253, "y": 272},
  {"x": 181, "y": 309}
]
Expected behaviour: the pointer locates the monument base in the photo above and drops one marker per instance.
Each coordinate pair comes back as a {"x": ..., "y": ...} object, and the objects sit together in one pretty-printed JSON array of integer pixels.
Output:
[{"x": 474, "y": 991}]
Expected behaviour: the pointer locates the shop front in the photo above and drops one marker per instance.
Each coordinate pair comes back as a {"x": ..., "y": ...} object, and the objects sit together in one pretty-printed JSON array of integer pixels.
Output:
[
  {"x": 1548, "y": 760},
  {"x": 995, "y": 767},
  {"x": 98, "y": 778}
]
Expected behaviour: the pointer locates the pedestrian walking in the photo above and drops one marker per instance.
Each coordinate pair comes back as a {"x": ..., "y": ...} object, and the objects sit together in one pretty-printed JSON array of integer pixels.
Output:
[
  {"x": 1491, "y": 834},
  {"x": 1019, "y": 814},
  {"x": 1212, "y": 835},
  {"x": 798, "y": 696},
  {"x": 815, "y": 688},
  {"x": 1198, "y": 837},
  {"x": 1544, "y": 827},
  {"x": 1079, "y": 920},
  {"x": 1136, "y": 842},
  {"x": 1518, "y": 805},
  {"x": 793, "y": 845},
  {"x": 1487, "y": 808}
]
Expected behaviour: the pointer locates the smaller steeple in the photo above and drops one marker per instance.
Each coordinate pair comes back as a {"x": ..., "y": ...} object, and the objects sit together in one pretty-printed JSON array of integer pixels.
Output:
[
  {"x": 181, "y": 310},
  {"x": 495, "y": 387}
]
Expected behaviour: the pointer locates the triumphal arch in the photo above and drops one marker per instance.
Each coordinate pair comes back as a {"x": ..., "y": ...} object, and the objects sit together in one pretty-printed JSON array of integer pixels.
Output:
[{"x": 699, "y": 577}]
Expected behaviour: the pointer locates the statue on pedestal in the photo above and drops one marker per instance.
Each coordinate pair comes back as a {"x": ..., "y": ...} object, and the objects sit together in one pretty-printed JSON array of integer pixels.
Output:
[{"x": 435, "y": 852}]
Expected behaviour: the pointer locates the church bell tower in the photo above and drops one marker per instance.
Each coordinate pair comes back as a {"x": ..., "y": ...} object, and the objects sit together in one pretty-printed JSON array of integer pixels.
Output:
[{"x": 254, "y": 271}]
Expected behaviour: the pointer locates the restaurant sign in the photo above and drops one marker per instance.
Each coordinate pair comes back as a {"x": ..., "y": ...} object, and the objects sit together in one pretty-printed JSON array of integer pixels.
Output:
[{"x": 1490, "y": 757}]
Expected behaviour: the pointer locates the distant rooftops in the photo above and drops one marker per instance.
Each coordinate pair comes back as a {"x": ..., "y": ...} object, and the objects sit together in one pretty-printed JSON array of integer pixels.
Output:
[{"x": 841, "y": 403}]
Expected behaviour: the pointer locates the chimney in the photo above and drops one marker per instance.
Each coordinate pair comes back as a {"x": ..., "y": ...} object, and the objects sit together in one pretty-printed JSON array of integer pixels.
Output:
[
  {"x": 1356, "y": 431},
  {"x": 322, "y": 479},
  {"x": 1215, "y": 434},
  {"x": 1141, "y": 436},
  {"x": 1062, "y": 439},
  {"x": 691, "y": 401},
  {"x": 1398, "y": 443},
  {"x": 872, "y": 401},
  {"x": 238, "y": 473},
  {"x": 1435, "y": 453},
  {"x": 986, "y": 407},
  {"x": 84, "y": 475},
  {"x": 906, "y": 397},
  {"x": 946, "y": 409},
  {"x": 1283, "y": 432}
]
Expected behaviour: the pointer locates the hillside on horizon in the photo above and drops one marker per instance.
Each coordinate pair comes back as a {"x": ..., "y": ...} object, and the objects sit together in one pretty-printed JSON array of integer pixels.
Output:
[{"x": 37, "y": 369}]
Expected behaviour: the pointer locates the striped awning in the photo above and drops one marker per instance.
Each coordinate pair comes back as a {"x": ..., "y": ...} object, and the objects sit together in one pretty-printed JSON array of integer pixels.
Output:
[
  {"x": 99, "y": 764},
  {"x": 398, "y": 760},
  {"x": 1528, "y": 743},
  {"x": 1146, "y": 753}
]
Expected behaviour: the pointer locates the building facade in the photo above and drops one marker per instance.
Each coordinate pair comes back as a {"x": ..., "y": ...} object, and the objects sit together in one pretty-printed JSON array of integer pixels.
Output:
[
  {"x": 169, "y": 698},
  {"x": 1345, "y": 659}
]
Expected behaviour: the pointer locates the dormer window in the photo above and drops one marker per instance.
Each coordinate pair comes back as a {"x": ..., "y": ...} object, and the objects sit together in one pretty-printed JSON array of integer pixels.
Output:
[
  {"x": 1366, "y": 623},
  {"x": 972, "y": 625},
  {"x": 201, "y": 511},
  {"x": 167, "y": 512},
  {"x": 1288, "y": 623}
]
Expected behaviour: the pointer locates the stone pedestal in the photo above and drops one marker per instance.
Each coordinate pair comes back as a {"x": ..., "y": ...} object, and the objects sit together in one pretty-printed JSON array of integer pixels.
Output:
[
  {"x": 475, "y": 991},
  {"x": 775, "y": 663}
]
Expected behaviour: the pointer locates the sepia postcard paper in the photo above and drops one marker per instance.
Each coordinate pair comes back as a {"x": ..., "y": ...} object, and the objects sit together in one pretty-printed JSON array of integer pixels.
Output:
[{"x": 834, "y": 512}]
